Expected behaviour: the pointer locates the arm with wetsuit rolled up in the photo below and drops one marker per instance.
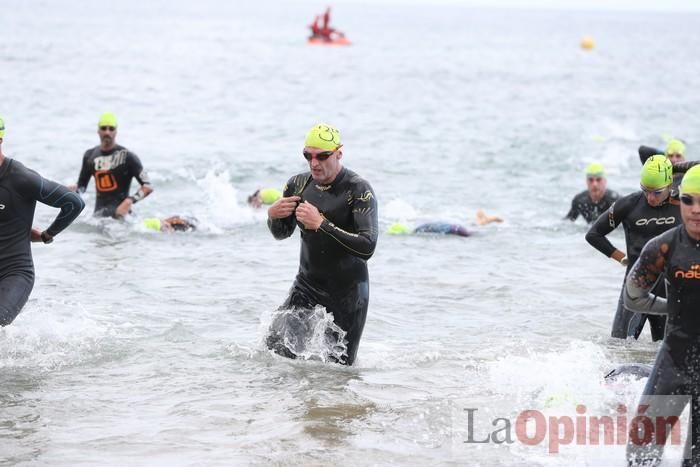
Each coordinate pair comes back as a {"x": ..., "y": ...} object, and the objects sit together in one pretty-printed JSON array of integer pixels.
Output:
[
  {"x": 145, "y": 187},
  {"x": 606, "y": 223},
  {"x": 31, "y": 185},
  {"x": 280, "y": 215},
  {"x": 642, "y": 279}
]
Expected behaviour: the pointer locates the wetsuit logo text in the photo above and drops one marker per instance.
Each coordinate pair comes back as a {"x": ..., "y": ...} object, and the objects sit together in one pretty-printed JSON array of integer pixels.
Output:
[
  {"x": 657, "y": 221},
  {"x": 2, "y": 206},
  {"x": 693, "y": 273}
]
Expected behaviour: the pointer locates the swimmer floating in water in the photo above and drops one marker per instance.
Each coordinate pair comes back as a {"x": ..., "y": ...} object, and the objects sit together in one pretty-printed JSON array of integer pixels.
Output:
[
  {"x": 265, "y": 196},
  {"x": 443, "y": 228},
  {"x": 171, "y": 224}
]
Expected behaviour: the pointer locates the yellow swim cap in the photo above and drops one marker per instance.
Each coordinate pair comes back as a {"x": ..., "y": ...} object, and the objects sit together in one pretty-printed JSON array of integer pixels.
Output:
[
  {"x": 595, "y": 169},
  {"x": 107, "y": 119},
  {"x": 2, "y": 128},
  {"x": 675, "y": 146},
  {"x": 398, "y": 229},
  {"x": 657, "y": 172},
  {"x": 691, "y": 181},
  {"x": 270, "y": 195},
  {"x": 323, "y": 136},
  {"x": 152, "y": 223}
]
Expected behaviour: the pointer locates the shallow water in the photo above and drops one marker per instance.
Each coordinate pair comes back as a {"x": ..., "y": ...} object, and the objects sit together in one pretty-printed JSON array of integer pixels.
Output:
[{"x": 142, "y": 348}]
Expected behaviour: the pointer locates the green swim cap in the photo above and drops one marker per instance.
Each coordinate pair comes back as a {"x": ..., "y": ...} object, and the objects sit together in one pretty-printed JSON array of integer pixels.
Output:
[
  {"x": 2, "y": 128},
  {"x": 323, "y": 136},
  {"x": 691, "y": 181},
  {"x": 270, "y": 195},
  {"x": 657, "y": 172},
  {"x": 107, "y": 119},
  {"x": 398, "y": 229},
  {"x": 152, "y": 223},
  {"x": 675, "y": 146},
  {"x": 595, "y": 169}
]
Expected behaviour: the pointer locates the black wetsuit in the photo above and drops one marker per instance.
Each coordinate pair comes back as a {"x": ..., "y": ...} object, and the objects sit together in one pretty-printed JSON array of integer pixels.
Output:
[
  {"x": 20, "y": 189},
  {"x": 442, "y": 228},
  {"x": 333, "y": 261},
  {"x": 113, "y": 171},
  {"x": 583, "y": 205},
  {"x": 640, "y": 222},
  {"x": 675, "y": 256}
]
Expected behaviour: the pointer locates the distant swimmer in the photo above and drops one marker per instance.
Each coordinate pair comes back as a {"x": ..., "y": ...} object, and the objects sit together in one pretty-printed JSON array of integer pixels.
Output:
[
  {"x": 675, "y": 256},
  {"x": 636, "y": 370},
  {"x": 113, "y": 167},
  {"x": 264, "y": 196},
  {"x": 643, "y": 215},
  {"x": 444, "y": 228},
  {"x": 171, "y": 224},
  {"x": 20, "y": 189},
  {"x": 596, "y": 199},
  {"x": 336, "y": 211}
]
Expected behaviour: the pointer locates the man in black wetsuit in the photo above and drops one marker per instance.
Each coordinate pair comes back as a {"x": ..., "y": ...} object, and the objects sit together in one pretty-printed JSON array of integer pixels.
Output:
[
  {"x": 675, "y": 255},
  {"x": 20, "y": 189},
  {"x": 595, "y": 200},
  {"x": 336, "y": 212},
  {"x": 113, "y": 167},
  {"x": 643, "y": 215}
]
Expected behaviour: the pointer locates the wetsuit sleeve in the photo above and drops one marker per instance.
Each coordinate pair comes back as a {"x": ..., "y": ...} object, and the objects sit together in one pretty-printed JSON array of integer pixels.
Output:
[
  {"x": 645, "y": 152},
  {"x": 642, "y": 278},
  {"x": 683, "y": 167},
  {"x": 85, "y": 173},
  {"x": 606, "y": 223},
  {"x": 284, "y": 228},
  {"x": 362, "y": 241},
  {"x": 573, "y": 212},
  {"x": 136, "y": 168},
  {"x": 31, "y": 185}
]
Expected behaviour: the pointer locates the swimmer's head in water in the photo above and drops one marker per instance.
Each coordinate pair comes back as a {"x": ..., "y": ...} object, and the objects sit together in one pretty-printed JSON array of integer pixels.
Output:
[
  {"x": 657, "y": 173},
  {"x": 690, "y": 185},
  {"x": 595, "y": 169},
  {"x": 676, "y": 148},
  {"x": 398, "y": 229},
  {"x": 323, "y": 136},
  {"x": 182, "y": 224},
  {"x": 107, "y": 119},
  {"x": 152, "y": 223},
  {"x": 270, "y": 195},
  {"x": 2, "y": 128}
]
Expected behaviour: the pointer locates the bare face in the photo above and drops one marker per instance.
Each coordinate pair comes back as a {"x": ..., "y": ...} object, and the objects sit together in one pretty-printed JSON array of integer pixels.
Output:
[
  {"x": 596, "y": 186},
  {"x": 656, "y": 197},
  {"x": 675, "y": 158},
  {"x": 691, "y": 214},
  {"x": 107, "y": 136},
  {"x": 324, "y": 165}
]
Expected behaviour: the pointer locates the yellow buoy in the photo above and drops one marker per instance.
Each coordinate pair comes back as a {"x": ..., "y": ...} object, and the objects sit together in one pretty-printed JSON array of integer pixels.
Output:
[{"x": 587, "y": 43}]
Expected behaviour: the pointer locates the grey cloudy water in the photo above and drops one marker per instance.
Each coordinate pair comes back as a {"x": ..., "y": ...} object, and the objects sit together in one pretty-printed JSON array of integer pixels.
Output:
[{"x": 144, "y": 348}]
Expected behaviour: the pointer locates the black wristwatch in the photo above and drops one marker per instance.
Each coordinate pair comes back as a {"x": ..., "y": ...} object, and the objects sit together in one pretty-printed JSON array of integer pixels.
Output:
[{"x": 45, "y": 237}]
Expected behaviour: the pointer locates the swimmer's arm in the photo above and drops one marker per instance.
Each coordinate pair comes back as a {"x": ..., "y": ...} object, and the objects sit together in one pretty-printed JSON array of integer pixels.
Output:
[
  {"x": 52, "y": 194},
  {"x": 641, "y": 279},
  {"x": 683, "y": 167},
  {"x": 645, "y": 152},
  {"x": 363, "y": 240},
  {"x": 141, "y": 176},
  {"x": 85, "y": 174},
  {"x": 606, "y": 223},
  {"x": 573, "y": 212},
  {"x": 280, "y": 215}
]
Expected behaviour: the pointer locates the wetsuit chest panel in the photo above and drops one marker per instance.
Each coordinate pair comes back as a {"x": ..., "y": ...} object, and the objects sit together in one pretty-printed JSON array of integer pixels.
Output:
[
  {"x": 645, "y": 222},
  {"x": 589, "y": 210}
]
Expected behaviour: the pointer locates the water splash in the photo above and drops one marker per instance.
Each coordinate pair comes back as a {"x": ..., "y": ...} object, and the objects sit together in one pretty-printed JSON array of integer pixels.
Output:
[{"x": 306, "y": 334}]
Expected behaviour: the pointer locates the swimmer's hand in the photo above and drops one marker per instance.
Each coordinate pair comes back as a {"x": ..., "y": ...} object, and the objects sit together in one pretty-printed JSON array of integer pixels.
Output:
[
  {"x": 283, "y": 207},
  {"x": 123, "y": 208},
  {"x": 482, "y": 218},
  {"x": 36, "y": 235},
  {"x": 620, "y": 257},
  {"x": 308, "y": 215}
]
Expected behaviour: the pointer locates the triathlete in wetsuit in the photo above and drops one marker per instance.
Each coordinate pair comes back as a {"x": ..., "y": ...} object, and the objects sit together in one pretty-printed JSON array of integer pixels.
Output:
[
  {"x": 113, "y": 167},
  {"x": 674, "y": 255},
  {"x": 20, "y": 189},
  {"x": 336, "y": 212},
  {"x": 596, "y": 199},
  {"x": 643, "y": 215}
]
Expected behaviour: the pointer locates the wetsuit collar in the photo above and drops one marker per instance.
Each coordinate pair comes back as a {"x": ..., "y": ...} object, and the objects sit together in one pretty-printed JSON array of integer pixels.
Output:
[{"x": 338, "y": 178}]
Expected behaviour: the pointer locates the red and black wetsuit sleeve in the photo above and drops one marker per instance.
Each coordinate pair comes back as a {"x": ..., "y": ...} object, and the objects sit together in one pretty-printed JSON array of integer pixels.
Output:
[
  {"x": 608, "y": 221},
  {"x": 32, "y": 186}
]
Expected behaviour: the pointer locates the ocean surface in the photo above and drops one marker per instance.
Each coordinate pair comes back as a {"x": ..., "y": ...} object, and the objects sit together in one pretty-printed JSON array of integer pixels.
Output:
[{"x": 142, "y": 348}]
